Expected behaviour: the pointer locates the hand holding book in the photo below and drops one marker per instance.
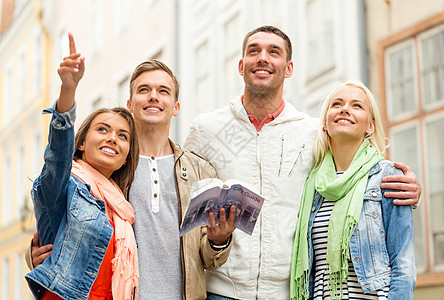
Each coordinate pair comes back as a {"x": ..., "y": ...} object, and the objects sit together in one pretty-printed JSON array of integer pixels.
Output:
[{"x": 209, "y": 196}]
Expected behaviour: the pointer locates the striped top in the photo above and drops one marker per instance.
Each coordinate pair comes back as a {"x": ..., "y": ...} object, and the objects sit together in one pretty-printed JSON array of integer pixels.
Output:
[{"x": 351, "y": 289}]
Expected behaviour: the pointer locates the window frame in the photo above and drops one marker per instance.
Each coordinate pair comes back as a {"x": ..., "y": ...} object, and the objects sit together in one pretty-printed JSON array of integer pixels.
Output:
[{"x": 432, "y": 275}]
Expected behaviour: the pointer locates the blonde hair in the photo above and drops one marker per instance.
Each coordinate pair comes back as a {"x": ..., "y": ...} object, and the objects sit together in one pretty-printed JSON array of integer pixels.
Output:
[{"x": 375, "y": 138}]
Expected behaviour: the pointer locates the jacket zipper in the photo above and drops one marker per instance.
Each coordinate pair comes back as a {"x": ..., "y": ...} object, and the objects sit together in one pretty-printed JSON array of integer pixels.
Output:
[
  {"x": 297, "y": 158},
  {"x": 182, "y": 255},
  {"x": 261, "y": 216},
  {"x": 282, "y": 155}
]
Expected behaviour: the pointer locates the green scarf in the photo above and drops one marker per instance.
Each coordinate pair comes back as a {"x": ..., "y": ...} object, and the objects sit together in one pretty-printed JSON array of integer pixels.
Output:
[{"x": 348, "y": 191}]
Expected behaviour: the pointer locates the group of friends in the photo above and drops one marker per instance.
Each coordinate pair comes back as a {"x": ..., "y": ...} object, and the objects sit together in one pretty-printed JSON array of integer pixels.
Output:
[{"x": 336, "y": 222}]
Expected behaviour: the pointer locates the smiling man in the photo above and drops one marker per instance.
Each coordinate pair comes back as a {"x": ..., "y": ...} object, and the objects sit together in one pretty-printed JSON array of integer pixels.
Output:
[
  {"x": 171, "y": 267},
  {"x": 263, "y": 140}
]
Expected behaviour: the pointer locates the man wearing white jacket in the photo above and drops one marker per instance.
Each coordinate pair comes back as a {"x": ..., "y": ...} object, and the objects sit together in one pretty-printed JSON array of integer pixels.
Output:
[{"x": 263, "y": 140}]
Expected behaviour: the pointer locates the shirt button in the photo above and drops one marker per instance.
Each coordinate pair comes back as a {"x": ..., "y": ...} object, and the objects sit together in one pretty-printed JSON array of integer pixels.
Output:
[
  {"x": 184, "y": 174},
  {"x": 155, "y": 195},
  {"x": 155, "y": 181},
  {"x": 154, "y": 169},
  {"x": 184, "y": 169},
  {"x": 152, "y": 157},
  {"x": 313, "y": 208},
  {"x": 374, "y": 194},
  {"x": 58, "y": 124}
]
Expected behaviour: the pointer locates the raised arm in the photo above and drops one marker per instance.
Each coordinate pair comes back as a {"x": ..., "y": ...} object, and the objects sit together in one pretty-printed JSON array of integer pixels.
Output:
[
  {"x": 50, "y": 188},
  {"x": 408, "y": 186}
]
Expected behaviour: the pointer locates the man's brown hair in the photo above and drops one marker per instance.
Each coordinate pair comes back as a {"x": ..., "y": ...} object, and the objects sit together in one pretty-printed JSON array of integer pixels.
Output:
[
  {"x": 152, "y": 65},
  {"x": 269, "y": 29}
]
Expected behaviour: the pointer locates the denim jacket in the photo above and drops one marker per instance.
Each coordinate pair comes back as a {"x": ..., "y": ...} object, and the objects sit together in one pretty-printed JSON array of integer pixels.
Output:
[
  {"x": 69, "y": 217},
  {"x": 381, "y": 247}
]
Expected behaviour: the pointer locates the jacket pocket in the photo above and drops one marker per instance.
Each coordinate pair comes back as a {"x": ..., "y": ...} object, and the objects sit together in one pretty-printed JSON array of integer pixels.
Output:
[
  {"x": 375, "y": 233},
  {"x": 83, "y": 206}
]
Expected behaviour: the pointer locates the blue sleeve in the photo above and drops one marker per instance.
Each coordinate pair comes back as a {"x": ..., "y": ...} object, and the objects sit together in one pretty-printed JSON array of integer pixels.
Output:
[
  {"x": 398, "y": 225},
  {"x": 49, "y": 191}
]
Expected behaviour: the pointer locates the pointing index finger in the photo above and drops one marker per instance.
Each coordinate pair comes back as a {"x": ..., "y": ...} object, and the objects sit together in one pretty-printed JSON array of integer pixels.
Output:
[{"x": 72, "y": 44}]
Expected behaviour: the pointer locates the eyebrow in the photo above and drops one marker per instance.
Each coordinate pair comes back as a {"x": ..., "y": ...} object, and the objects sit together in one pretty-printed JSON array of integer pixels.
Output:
[
  {"x": 149, "y": 85},
  {"x": 109, "y": 126},
  {"x": 274, "y": 46}
]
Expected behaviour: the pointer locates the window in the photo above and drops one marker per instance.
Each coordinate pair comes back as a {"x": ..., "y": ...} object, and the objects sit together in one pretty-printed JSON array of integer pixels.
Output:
[
  {"x": 271, "y": 12},
  {"x": 20, "y": 194},
  {"x": 8, "y": 94},
  {"x": 97, "y": 103},
  {"x": 202, "y": 78},
  {"x": 320, "y": 44},
  {"x": 18, "y": 6},
  {"x": 7, "y": 195},
  {"x": 19, "y": 282},
  {"x": 5, "y": 279},
  {"x": 37, "y": 155},
  {"x": 37, "y": 69},
  {"x": 435, "y": 164},
  {"x": 123, "y": 91},
  {"x": 21, "y": 82},
  {"x": 96, "y": 26},
  {"x": 414, "y": 99},
  {"x": 432, "y": 68},
  {"x": 402, "y": 88},
  {"x": 63, "y": 48},
  {"x": 232, "y": 54},
  {"x": 122, "y": 13}
]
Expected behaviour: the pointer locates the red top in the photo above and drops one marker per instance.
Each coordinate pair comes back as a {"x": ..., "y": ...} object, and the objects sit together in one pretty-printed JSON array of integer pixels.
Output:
[
  {"x": 267, "y": 119},
  {"x": 101, "y": 288}
]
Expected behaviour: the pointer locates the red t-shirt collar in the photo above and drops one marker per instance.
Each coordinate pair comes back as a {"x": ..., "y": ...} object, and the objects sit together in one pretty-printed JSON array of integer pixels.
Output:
[{"x": 270, "y": 117}]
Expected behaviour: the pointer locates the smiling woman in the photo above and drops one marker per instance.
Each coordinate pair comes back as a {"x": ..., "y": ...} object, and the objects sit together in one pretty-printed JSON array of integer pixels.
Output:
[
  {"x": 351, "y": 241},
  {"x": 79, "y": 200}
]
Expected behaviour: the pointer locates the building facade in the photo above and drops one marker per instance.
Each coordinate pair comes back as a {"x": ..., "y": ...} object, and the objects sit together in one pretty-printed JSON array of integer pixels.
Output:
[
  {"x": 23, "y": 94},
  {"x": 394, "y": 46},
  {"x": 406, "y": 56},
  {"x": 326, "y": 50}
]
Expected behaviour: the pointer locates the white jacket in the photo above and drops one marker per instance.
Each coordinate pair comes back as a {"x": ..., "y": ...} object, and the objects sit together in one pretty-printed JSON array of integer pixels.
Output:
[{"x": 275, "y": 161}]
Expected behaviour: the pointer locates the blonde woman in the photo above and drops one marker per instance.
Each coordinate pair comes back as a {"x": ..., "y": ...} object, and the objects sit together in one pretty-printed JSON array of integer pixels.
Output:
[{"x": 351, "y": 241}]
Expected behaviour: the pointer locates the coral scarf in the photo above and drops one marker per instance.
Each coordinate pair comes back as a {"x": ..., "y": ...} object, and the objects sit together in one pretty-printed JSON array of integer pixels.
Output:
[
  {"x": 348, "y": 192},
  {"x": 125, "y": 279}
]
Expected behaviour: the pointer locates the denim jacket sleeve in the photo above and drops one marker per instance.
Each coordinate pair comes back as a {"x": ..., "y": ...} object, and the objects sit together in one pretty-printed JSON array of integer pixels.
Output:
[
  {"x": 398, "y": 225},
  {"x": 49, "y": 191}
]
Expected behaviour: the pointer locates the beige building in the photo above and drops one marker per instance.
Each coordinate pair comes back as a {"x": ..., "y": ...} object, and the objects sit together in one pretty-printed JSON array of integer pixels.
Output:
[
  {"x": 396, "y": 46},
  {"x": 114, "y": 36},
  {"x": 406, "y": 60},
  {"x": 326, "y": 50},
  {"x": 23, "y": 94}
]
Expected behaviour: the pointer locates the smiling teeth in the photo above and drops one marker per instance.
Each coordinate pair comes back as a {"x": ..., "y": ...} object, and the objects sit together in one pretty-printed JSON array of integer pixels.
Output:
[
  {"x": 153, "y": 109},
  {"x": 108, "y": 150},
  {"x": 344, "y": 121},
  {"x": 262, "y": 72}
]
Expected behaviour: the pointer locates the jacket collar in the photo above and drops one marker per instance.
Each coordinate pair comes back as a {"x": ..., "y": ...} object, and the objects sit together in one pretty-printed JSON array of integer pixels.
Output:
[
  {"x": 178, "y": 152},
  {"x": 375, "y": 169},
  {"x": 290, "y": 113}
]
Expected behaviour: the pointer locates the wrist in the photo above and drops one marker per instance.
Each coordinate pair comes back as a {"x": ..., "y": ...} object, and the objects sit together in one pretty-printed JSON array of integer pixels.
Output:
[{"x": 220, "y": 247}]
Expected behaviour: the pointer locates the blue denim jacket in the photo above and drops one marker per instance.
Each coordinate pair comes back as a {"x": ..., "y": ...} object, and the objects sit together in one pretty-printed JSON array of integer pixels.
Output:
[
  {"x": 69, "y": 217},
  {"x": 381, "y": 246}
]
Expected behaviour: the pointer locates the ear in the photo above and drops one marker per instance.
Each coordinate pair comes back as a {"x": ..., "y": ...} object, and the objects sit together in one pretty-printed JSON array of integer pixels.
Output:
[
  {"x": 82, "y": 147},
  {"x": 289, "y": 69},
  {"x": 324, "y": 127},
  {"x": 241, "y": 67},
  {"x": 371, "y": 128},
  {"x": 128, "y": 105},
  {"x": 176, "y": 108}
]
